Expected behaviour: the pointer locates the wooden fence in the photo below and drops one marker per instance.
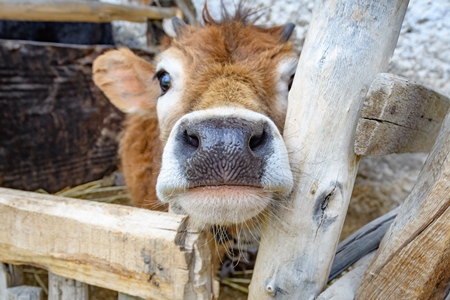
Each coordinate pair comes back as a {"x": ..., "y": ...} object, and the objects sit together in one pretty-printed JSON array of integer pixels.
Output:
[{"x": 341, "y": 107}]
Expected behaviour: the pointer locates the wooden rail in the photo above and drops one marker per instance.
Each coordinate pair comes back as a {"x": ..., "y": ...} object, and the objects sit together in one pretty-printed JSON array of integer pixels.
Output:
[
  {"x": 399, "y": 116},
  {"x": 134, "y": 251},
  {"x": 80, "y": 11}
]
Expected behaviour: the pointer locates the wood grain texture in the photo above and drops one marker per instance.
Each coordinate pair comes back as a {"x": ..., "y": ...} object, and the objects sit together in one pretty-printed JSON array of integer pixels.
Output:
[
  {"x": 134, "y": 251},
  {"x": 60, "y": 288},
  {"x": 413, "y": 261},
  {"x": 127, "y": 297},
  {"x": 361, "y": 243},
  {"x": 25, "y": 293},
  {"x": 4, "y": 280},
  {"x": 399, "y": 116},
  {"x": 345, "y": 288},
  {"x": 342, "y": 54},
  {"x": 79, "y": 11},
  {"x": 57, "y": 129}
]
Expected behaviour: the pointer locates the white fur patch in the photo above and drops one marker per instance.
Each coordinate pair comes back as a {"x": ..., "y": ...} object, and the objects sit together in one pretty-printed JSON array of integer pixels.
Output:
[
  {"x": 224, "y": 205},
  {"x": 169, "y": 103}
]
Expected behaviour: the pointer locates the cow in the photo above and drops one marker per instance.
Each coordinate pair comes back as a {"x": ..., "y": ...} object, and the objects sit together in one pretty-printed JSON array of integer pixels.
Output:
[{"x": 204, "y": 122}]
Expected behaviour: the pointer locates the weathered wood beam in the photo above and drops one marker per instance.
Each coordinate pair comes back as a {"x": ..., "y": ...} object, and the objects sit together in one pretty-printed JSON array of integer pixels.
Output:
[
  {"x": 362, "y": 242},
  {"x": 413, "y": 261},
  {"x": 345, "y": 288},
  {"x": 399, "y": 116},
  {"x": 134, "y": 251},
  {"x": 343, "y": 52},
  {"x": 80, "y": 11}
]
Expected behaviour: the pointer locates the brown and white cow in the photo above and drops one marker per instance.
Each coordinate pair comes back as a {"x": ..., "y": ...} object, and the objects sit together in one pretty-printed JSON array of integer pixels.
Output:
[{"x": 204, "y": 122}]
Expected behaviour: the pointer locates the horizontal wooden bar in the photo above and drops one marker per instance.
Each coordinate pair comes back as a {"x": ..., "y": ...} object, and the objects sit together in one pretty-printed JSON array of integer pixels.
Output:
[
  {"x": 80, "y": 11},
  {"x": 399, "y": 116},
  {"x": 134, "y": 251}
]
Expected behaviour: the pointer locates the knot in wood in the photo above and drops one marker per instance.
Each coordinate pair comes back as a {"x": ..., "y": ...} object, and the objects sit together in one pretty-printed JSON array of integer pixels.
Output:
[{"x": 271, "y": 290}]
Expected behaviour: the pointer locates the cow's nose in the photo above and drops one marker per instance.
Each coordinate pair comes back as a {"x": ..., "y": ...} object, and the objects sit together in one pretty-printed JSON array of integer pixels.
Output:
[{"x": 224, "y": 150}]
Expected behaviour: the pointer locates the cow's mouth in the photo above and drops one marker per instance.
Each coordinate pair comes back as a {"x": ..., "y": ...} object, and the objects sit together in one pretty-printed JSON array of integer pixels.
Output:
[
  {"x": 224, "y": 186},
  {"x": 224, "y": 204}
]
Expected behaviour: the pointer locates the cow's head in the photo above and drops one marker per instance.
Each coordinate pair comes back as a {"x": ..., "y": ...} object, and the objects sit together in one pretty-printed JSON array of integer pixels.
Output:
[{"x": 220, "y": 95}]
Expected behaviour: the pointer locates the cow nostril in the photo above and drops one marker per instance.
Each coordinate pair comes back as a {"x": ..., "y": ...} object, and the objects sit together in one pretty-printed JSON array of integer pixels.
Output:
[
  {"x": 191, "y": 139},
  {"x": 257, "y": 141}
]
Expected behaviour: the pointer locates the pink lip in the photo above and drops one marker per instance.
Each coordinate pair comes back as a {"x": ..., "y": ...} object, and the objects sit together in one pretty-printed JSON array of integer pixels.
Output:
[{"x": 225, "y": 187}]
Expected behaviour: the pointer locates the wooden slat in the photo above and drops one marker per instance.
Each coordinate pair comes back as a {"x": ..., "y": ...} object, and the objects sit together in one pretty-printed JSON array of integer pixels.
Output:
[
  {"x": 413, "y": 261},
  {"x": 79, "y": 11},
  {"x": 25, "y": 293},
  {"x": 343, "y": 52},
  {"x": 134, "y": 251},
  {"x": 4, "y": 280},
  {"x": 60, "y": 288},
  {"x": 345, "y": 288},
  {"x": 361, "y": 243},
  {"x": 399, "y": 116},
  {"x": 57, "y": 128}
]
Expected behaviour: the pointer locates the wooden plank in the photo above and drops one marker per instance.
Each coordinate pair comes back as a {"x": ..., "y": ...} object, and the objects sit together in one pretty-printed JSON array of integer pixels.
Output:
[
  {"x": 57, "y": 128},
  {"x": 399, "y": 116},
  {"x": 4, "y": 280},
  {"x": 80, "y": 11},
  {"x": 60, "y": 288},
  {"x": 413, "y": 261},
  {"x": 10, "y": 276},
  {"x": 361, "y": 243},
  {"x": 17, "y": 277},
  {"x": 24, "y": 293},
  {"x": 343, "y": 52},
  {"x": 345, "y": 288},
  {"x": 134, "y": 251}
]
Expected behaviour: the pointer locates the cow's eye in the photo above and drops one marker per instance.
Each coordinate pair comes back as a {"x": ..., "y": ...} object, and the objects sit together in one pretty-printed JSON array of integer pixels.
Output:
[{"x": 164, "y": 81}]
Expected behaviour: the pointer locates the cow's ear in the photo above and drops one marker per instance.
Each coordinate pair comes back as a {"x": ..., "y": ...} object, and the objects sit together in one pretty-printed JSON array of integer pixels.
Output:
[
  {"x": 283, "y": 33},
  {"x": 127, "y": 80},
  {"x": 174, "y": 27}
]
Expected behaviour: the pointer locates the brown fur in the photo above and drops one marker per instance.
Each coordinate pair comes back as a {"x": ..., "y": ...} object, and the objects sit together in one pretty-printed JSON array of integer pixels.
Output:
[
  {"x": 140, "y": 151},
  {"x": 229, "y": 63},
  {"x": 232, "y": 63}
]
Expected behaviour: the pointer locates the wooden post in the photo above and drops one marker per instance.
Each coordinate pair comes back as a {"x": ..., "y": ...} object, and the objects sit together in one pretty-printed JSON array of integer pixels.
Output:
[
  {"x": 4, "y": 280},
  {"x": 60, "y": 288},
  {"x": 24, "y": 293},
  {"x": 128, "y": 297},
  {"x": 413, "y": 261},
  {"x": 348, "y": 43}
]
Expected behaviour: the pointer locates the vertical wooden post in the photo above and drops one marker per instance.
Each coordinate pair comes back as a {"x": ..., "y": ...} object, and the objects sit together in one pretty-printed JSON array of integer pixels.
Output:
[
  {"x": 413, "y": 261},
  {"x": 4, "y": 280},
  {"x": 60, "y": 288},
  {"x": 24, "y": 293},
  {"x": 348, "y": 43}
]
